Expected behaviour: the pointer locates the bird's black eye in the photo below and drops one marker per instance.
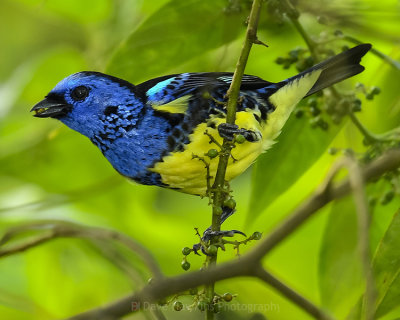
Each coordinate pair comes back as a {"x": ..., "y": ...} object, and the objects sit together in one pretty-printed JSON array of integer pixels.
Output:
[{"x": 80, "y": 93}]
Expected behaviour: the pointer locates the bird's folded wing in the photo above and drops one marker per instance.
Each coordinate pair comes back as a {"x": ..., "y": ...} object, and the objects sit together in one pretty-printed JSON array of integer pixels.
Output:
[{"x": 172, "y": 93}]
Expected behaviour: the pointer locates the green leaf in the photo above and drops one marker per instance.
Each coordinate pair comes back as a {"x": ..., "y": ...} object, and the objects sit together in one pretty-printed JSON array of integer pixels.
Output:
[
  {"x": 172, "y": 36},
  {"x": 386, "y": 268},
  {"x": 381, "y": 220},
  {"x": 298, "y": 147},
  {"x": 340, "y": 270}
]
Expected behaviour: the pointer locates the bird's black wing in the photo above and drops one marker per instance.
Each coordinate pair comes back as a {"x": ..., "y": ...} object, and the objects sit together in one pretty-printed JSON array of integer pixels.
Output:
[{"x": 169, "y": 88}]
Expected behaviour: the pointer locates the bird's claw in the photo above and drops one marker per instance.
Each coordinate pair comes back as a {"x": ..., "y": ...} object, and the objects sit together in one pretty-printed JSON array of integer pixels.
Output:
[
  {"x": 228, "y": 131},
  {"x": 209, "y": 234},
  {"x": 196, "y": 247}
]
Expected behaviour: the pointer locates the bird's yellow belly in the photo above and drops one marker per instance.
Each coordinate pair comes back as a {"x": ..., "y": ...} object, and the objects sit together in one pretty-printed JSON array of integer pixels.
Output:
[{"x": 187, "y": 174}]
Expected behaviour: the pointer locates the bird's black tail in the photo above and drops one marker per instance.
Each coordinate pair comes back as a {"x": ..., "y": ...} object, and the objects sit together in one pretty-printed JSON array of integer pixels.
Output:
[
  {"x": 337, "y": 68},
  {"x": 318, "y": 77}
]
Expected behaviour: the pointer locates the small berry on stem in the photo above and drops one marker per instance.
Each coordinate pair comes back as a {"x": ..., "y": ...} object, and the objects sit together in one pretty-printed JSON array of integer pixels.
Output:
[
  {"x": 212, "y": 153},
  {"x": 178, "y": 306},
  {"x": 240, "y": 139},
  {"x": 230, "y": 203},
  {"x": 185, "y": 265},
  {"x": 227, "y": 297},
  {"x": 257, "y": 235},
  {"x": 212, "y": 250},
  {"x": 186, "y": 251}
]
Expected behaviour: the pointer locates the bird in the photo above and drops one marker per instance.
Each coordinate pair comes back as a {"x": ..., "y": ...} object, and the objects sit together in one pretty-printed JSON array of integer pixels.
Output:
[{"x": 152, "y": 132}]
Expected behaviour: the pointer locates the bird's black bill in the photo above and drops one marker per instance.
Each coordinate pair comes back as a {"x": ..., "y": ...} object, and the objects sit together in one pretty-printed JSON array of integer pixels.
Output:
[{"x": 51, "y": 108}]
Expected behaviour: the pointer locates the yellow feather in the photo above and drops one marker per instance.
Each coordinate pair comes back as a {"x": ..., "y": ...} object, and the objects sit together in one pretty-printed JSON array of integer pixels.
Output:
[
  {"x": 284, "y": 100},
  {"x": 179, "y": 105}
]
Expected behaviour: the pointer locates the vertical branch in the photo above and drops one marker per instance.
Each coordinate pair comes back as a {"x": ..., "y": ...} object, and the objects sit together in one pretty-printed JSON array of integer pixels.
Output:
[
  {"x": 218, "y": 195},
  {"x": 293, "y": 15},
  {"x": 357, "y": 184},
  {"x": 233, "y": 96}
]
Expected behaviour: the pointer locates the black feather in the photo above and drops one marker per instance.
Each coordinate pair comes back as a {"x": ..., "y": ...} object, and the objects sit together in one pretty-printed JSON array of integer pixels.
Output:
[{"x": 337, "y": 68}]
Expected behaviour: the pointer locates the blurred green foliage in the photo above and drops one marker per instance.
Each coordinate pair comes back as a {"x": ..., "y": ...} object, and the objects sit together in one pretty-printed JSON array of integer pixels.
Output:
[{"x": 49, "y": 172}]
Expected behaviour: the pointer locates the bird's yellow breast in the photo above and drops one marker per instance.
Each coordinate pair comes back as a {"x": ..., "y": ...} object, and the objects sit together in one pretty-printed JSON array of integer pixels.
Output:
[{"x": 180, "y": 170}]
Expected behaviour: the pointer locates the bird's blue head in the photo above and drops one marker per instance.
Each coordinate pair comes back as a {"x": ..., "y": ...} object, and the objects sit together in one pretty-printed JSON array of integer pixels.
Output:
[{"x": 83, "y": 100}]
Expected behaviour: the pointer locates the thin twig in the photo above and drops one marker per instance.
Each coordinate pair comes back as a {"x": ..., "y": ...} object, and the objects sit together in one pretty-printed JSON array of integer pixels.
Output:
[
  {"x": 233, "y": 96},
  {"x": 31, "y": 243},
  {"x": 293, "y": 15},
  {"x": 225, "y": 154},
  {"x": 62, "y": 229},
  {"x": 369, "y": 136}
]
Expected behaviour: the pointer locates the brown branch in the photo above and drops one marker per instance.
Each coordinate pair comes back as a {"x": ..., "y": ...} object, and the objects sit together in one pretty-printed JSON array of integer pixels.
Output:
[
  {"x": 159, "y": 289},
  {"x": 249, "y": 262},
  {"x": 31, "y": 243},
  {"x": 61, "y": 229},
  {"x": 292, "y": 295}
]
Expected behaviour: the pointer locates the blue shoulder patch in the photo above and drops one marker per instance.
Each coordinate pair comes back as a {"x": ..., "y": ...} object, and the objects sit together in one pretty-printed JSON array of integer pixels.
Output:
[
  {"x": 156, "y": 93},
  {"x": 169, "y": 89}
]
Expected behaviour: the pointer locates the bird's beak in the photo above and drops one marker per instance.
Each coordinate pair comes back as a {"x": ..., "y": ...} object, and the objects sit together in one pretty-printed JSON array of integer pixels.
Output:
[{"x": 51, "y": 108}]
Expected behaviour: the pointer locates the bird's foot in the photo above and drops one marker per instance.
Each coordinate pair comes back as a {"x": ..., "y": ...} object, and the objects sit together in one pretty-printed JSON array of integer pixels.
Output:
[
  {"x": 229, "y": 131},
  {"x": 208, "y": 235}
]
